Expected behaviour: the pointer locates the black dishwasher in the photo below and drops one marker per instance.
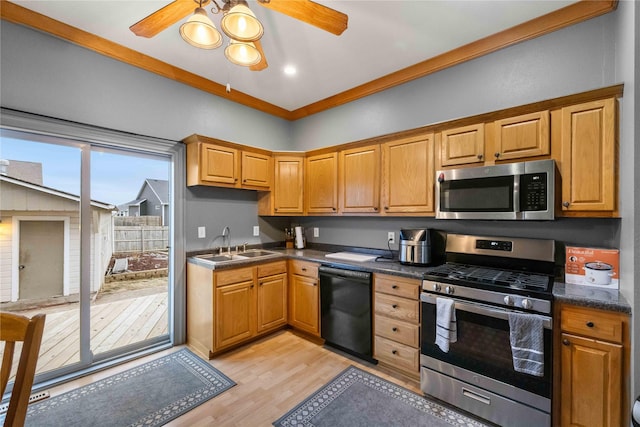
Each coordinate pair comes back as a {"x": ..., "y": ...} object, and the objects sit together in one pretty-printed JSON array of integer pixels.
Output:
[{"x": 345, "y": 310}]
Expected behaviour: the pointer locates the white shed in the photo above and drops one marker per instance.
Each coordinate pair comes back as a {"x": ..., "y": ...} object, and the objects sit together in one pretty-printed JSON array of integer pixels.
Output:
[{"x": 40, "y": 241}]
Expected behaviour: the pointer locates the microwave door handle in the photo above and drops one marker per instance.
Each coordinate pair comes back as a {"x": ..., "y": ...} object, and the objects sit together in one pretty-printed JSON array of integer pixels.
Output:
[
  {"x": 485, "y": 310},
  {"x": 516, "y": 195}
]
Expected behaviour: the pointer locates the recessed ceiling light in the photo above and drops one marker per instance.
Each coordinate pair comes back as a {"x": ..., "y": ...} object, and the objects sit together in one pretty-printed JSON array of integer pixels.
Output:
[{"x": 290, "y": 70}]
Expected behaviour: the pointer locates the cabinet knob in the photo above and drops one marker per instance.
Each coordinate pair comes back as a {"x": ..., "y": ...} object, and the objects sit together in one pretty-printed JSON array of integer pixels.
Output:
[
  {"x": 394, "y": 306},
  {"x": 394, "y": 351},
  {"x": 394, "y": 287},
  {"x": 565, "y": 342},
  {"x": 394, "y": 329},
  {"x": 565, "y": 204},
  {"x": 590, "y": 325},
  {"x": 497, "y": 155},
  {"x": 386, "y": 208},
  {"x": 480, "y": 156},
  {"x": 375, "y": 208},
  {"x": 333, "y": 209},
  {"x": 304, "y": 268},
  {"x": 251, "y": 286}
]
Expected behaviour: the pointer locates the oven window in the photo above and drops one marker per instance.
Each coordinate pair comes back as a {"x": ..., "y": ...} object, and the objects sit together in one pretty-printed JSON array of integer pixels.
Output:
[
  {"x": 483, "y": 347},
  {"x": 477, "y": 195}
]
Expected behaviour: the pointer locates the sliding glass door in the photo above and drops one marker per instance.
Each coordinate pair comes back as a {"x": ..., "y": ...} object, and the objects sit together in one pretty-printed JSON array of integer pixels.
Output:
[{"x": 85, "y": 237}]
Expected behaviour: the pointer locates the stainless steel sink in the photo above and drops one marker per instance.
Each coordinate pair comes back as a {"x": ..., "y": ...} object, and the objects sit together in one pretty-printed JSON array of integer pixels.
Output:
[{"x": 217, "y": 259}]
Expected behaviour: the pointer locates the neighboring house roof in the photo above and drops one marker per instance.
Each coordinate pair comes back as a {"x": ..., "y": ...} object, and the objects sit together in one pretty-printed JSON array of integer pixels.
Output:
[
  {"x": 136, "y": 202},
  {"x": 160, "y": 188},
  {"x": 25, "y": 171},
  {"x": 55, "y": 192}
]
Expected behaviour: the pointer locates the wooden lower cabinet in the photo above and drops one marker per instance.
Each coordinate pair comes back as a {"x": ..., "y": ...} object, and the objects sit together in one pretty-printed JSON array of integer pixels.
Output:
[
  {"x": 591, "y": 388},
  {"x": 397, "y": 323},
  {"x": 304, "y": 297},
  {"x": 229, "y": 307}
]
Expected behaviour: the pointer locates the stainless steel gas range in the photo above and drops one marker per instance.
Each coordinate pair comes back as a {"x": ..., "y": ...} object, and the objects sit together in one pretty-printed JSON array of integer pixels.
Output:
[{"x": 494, "y": 295}]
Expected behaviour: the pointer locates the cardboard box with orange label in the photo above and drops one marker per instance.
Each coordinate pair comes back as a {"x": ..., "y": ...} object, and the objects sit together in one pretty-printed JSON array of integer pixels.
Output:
[{"x": 592, "y": 267}]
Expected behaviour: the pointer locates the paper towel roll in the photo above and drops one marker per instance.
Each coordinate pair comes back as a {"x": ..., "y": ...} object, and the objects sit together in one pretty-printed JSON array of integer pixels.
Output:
[{"x": 299, "y": 238}]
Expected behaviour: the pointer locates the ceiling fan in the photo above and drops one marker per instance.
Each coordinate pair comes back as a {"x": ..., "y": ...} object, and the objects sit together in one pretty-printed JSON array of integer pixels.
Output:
[{"x": 307, "y": 11}]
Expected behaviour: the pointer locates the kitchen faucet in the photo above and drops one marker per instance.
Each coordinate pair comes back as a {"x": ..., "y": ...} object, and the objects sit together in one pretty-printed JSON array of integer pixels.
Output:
[{"x": 227, "y": 231}]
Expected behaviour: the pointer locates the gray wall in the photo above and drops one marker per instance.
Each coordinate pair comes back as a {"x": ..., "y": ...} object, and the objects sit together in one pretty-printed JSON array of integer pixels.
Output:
[{"x": 48, "y": 76}]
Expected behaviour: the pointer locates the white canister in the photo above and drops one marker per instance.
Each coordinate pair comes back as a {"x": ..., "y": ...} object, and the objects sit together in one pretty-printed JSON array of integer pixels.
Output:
[{"x": 598, "y": 273}]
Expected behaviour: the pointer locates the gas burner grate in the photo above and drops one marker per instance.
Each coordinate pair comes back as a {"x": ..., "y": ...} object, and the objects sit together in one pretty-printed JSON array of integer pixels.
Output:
[{"x": 491, "y": 276}]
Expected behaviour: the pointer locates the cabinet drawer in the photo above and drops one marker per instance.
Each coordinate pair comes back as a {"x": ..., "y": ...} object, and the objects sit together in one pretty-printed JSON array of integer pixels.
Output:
[
  {"x": 401, "y": 287},
  {"x": 592, "y": 323},
  {"x": 396, "y": 354},
  {"x": 272, "y": 269},
  {"x": 397, "y": 330},
  {"x": 303, "y": 268},
  {"x": 237, "y": 275},
  {"x": 397, "y": 308}
]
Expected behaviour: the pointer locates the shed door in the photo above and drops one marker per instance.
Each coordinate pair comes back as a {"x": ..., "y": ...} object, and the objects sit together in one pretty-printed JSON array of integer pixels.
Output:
[{"x": 41, "y": 259}]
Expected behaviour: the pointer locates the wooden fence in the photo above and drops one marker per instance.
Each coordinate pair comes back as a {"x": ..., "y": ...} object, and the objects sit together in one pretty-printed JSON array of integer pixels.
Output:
[{"x": 143, "y": 238}]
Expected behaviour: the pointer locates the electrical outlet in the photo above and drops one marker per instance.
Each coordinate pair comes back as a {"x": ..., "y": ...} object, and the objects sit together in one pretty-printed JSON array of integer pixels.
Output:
[
  {"x": 391, "y": 237},
  {"x": 256, "y": 230},
  {"x": 202, "y": 232},
  {"x": 316, "y": 232}
]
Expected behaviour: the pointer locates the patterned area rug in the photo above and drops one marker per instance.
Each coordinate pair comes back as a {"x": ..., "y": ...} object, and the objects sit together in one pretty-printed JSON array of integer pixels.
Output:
[
  {"x": 357, "y": 398},
  {"x": 151, "y": 394}
]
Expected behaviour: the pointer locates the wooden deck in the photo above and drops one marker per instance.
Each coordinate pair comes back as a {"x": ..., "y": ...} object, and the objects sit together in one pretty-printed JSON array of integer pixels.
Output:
[{"x": 116, "y": 320}]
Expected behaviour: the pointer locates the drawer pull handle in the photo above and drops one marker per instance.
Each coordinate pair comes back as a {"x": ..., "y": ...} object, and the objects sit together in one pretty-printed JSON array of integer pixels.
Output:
[
  {"x": 475, "y": 396},
  {"x": 590, "y": 324},
  {"x": 394, "y": 329},
  {"x": 394, "y": 306},
  {"x": 394, "y": 352},
  {"x": 565, "y": 341}
]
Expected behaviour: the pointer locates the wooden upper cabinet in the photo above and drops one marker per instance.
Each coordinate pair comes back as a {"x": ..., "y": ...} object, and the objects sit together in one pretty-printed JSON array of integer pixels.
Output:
[
  {"x": 256, "y": 170},
  {"x": 218, "y": 164},
  {"x": 359, "y": 175},
  {"x": 588, "y": 159},
  {"x": 462, "y": 146},
  {"x": 408, "y": 175},
  {"x": 522, "y": 136},
  {"x": 321, "y": 183},
  {"x": 288, "y": 185}
]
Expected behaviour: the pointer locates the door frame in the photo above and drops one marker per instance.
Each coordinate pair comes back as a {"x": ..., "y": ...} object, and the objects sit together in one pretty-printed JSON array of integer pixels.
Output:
[{"x": 15, "y": 279}]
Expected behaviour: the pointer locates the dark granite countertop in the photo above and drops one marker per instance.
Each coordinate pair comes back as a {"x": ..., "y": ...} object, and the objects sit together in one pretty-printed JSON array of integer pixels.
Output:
[
  {"x": 589, "y": 296},
  {"x": 604, "y": 299}
]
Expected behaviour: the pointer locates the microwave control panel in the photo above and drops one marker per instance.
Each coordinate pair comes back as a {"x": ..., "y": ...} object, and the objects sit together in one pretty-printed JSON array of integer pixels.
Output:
[{"x": 533, "y": 192}]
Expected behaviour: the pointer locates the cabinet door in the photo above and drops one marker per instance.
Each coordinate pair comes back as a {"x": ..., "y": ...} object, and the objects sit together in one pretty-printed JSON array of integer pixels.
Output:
[
  {"x": 462, "y": 146},
  {"x": 235, "y": 316},
  {"x": 588, "y": 157},
  {"x": 407, "y": 175},
  {"x": 359, "y": 185},
  {"x": 522, "y": 136},
  {"x": 591, "y": 382},
  {"x": 288, "y": 185},
  {"x": 304, "y": 300},
  {"x": 272, "y": 302},
  {"x": 256, "y": 170},
  {"x": 321, "y": 183},
  {"x": 218, "y": 164}
]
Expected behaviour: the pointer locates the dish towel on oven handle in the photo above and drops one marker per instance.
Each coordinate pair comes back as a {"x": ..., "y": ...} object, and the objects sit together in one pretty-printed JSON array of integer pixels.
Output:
[
  {"x": 446, "y": 326},
  {"x": 527, "y": 343}
]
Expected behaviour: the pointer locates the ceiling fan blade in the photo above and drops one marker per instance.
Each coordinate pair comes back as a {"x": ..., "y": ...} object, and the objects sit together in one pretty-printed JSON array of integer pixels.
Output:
[
  {"x": 165, "y": 17},
  {"x": 263, "y": 62},
  {"x": 312, "y": 13}
]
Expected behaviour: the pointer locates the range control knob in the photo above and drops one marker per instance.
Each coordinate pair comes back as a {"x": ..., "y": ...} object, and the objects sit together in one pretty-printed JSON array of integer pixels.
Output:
[
  {"x": 526, "y": 304},
  {"x": 437, "y": 287},
  {"x": 508, "y": 300},
  {"x": 449, "y": 290}
]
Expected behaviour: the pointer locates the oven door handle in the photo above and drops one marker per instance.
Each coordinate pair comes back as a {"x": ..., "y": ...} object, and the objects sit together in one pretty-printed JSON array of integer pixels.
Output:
[{"x": 485, "y": 310}]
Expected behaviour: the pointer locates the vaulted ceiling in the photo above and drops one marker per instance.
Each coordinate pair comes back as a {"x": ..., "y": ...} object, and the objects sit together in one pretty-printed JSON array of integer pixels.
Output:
[{"x": 386, "y": 43}]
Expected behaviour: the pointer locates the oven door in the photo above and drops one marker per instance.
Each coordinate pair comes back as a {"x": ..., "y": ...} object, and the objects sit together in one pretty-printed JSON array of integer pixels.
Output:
[{"x": 483, "y": 346}]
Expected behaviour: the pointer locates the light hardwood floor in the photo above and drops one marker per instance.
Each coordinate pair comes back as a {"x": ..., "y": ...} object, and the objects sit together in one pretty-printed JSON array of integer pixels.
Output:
[{"x": 272, "y": 375}]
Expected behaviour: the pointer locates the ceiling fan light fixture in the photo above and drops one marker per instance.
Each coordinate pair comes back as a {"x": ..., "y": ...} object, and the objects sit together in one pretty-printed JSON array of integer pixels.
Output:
[
  {"x": 242, "y": 53},
  {"x": 241, "y": 24},
  {"x": 200, "y": 32}
]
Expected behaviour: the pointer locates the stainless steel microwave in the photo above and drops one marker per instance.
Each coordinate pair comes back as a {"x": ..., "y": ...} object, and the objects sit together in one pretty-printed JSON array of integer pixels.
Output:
[{"x": 513, "y": 191}]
